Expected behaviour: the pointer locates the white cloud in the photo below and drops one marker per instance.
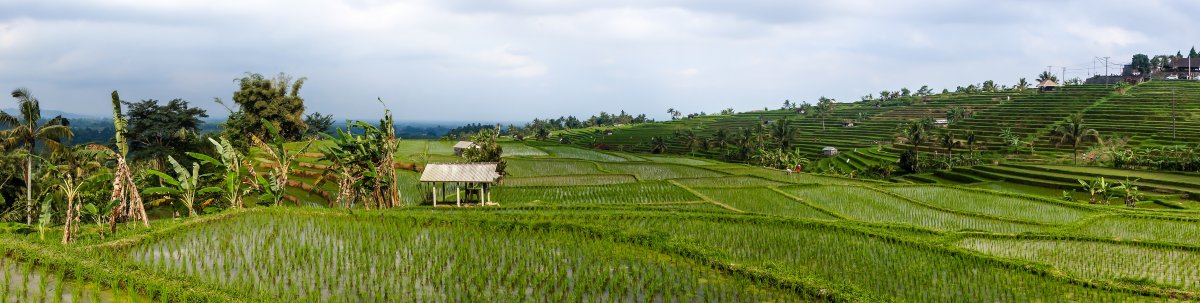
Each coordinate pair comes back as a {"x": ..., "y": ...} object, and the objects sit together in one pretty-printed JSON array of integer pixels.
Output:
[{"x": 514, "y": 60}]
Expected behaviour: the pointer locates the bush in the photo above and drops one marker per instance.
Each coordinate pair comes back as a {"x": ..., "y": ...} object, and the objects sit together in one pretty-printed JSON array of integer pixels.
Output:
[{"x": 908, "y": 161}]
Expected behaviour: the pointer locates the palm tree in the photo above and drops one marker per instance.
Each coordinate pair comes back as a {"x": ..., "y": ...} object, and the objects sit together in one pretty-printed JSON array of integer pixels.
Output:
[
  {"x": 1046, "y": 75},
  {"x": 689, "y": 139},
  {"x": 947, "y": 141},
  {"x": 1022, "y": 85},
  {"x": 972, "y": 138},
  {"x": 916, "y": 132},
  {"x": 26, "y": 131},
  {"x": 825, "y": 107},
  {"x": 720, "y": 139},
  {"x": 658, "y": 145},
  {"x": 1073, "y": 131},
  {"x": 782, "y": 132}
]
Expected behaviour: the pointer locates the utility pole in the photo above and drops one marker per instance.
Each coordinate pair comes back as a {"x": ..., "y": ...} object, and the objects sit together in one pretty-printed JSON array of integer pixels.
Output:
[
  {"x": 1106, "y": 82},
  {"x": 1064, "y": 74}
]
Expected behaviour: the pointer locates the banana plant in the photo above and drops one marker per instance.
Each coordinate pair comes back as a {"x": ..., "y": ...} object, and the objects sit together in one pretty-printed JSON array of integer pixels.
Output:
[
  {"x": 230, "y": 160},
  {"x": 1129, "y": 192},
  {"x": 1097, "y": 189},
  {"x": 184, "y": 187},
  {"x": 273, "y": 188}
]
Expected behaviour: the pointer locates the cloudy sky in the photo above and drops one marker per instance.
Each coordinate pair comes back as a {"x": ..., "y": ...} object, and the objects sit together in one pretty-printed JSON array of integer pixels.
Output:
[{"x": 515, "y": 60}]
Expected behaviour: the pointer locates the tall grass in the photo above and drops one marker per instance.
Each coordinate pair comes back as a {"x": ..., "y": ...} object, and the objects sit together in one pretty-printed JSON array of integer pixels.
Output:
[
  {"x": 301, "y": 257},
  {"x": 1178, "y": 268},
  {"x": 872, "y": 206},
  {"x": 993, "y": 204}
]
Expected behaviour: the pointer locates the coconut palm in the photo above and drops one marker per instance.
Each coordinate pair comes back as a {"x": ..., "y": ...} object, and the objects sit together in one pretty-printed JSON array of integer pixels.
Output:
[
  {"x": 1022, "y": 85},
  {"x": 1074, "y": 132},
  {"x": 946, "y": 139},
  {"x": 972, "y": 139},
  {"x": 690, "y": 139},
  {"x": 825, "y": 107},
  {"x": 27, "y": 131},
  {"x": 1046, "y": 75},
  {"x": 782, "y": 133},
  {"x": 658, "y": 145},
  {"x": 721, "y": 139}
]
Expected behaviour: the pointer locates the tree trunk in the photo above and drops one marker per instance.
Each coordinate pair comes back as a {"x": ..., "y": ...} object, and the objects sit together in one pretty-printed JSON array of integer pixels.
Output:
[
  {"x": 29, "y": 188},
  {"x": 67, "y": 226}
]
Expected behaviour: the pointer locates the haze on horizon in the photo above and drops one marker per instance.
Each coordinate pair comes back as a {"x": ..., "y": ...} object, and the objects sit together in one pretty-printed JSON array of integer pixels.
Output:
[{"x": 452, "y": 60}]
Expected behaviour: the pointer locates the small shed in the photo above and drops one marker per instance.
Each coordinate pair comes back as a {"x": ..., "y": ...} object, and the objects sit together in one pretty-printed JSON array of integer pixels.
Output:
[
  {"x": 1047, "y": 85},
  {"x": 941, "y": 123},
  {"x": 464, "y": 178},
  {"x": 848, "y": 123},
  {"x": 829, "y": 151},
  {"x": 463, "y": 146}
]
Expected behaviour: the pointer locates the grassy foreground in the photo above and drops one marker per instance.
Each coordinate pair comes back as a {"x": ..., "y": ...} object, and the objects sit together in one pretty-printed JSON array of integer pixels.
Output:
[{"x": 585, "y": 225}]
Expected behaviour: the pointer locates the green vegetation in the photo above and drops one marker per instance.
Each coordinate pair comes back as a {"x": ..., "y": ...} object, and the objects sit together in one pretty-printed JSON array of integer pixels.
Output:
[{"x": 997, "y": 210}]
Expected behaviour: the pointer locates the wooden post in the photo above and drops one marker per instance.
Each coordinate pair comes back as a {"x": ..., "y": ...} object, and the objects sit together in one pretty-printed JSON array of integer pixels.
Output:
[
  {"x": 481, "y": 202},
  {"x": 434, "y": 190},
  {"x": 457, "y": 195}
]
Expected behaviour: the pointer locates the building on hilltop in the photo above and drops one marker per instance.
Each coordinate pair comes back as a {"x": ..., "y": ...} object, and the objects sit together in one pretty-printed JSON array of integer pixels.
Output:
[
  {"x": 829, "y": 151},
  {"x": 463, "y": 146},
  {"x": 1047, "y": 85},
  {"x": 1186, "y": 67}
]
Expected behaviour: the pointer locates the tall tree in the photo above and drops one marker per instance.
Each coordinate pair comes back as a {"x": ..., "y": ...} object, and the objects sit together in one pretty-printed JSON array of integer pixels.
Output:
[
  {"x": 124, "y": 188},
  {"x": 1073, "y": 131},
  {"x": 157, "y": 131},
  {"x": 1046, "y": 75},
  {"x": 27, "y": 131},
  {"x": 261, "y": 100},
  {"x": 782, "y": 133},
  {"x": 1022, "y": 84},
  {"x": 721, "y": 139},
  {"x": 317, "y": 124},
  {"x": 1141, "y": 63},
  {"x": 825, "y": 108}
]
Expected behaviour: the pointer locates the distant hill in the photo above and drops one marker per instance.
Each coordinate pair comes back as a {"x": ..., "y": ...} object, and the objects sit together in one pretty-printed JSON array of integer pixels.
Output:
[{"x": 1142, "y": 116}]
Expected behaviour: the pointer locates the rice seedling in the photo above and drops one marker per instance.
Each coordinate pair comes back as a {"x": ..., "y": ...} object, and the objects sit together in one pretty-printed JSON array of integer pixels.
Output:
[
  {"x": 994, "y": 204},
  {"x": 1183, "y": 231},
  {"x": 519, "y": 167},
  {"x": 652, "y": 171},
  {"x": 569, "y": 180},
  {"x": 1179, "y": 268},
  {"x": 872, "y": 206},
  {"x": 896, "y": 270},
  {"x": 25, "y": 282},
  {"x": 728, "y": 182},
  {"x": 327, "y": 257},
  {"x": 514, "y": 149},
  {"x": 583, "y": 154},
  {"x": 764, "y": 201},
  {"x": 641, "y": 192},
  {"x": 678, "y": 160}
]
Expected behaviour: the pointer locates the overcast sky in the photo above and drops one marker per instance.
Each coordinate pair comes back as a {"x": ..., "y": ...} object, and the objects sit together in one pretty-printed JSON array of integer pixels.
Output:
[{"x": 515, "y": 60}]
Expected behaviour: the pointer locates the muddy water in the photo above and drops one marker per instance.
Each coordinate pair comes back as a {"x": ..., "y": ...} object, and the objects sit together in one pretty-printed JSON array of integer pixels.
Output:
[{"x": 22, "y": 282}]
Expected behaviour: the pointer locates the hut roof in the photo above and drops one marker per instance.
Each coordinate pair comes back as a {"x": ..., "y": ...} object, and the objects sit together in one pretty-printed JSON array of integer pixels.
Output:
[
  {"x": 1184, "y": 62},
  {"x": 1047, "y": 83},
  {"x": 464, "y": 144},
  {"x": 460, "y": 172}
]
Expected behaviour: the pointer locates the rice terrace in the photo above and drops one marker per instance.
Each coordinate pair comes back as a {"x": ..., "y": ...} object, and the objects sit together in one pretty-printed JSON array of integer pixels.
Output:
[{"x": 1074, "y": 183}]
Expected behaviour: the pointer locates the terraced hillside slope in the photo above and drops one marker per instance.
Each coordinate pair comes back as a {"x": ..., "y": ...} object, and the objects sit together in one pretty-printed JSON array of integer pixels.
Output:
[{"x": 576, "y": 224}]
